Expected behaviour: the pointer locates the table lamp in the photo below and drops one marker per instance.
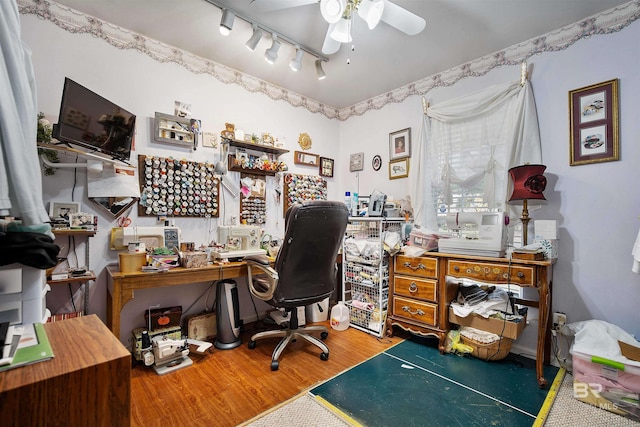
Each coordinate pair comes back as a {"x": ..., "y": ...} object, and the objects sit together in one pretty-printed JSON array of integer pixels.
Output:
[{"x": 528, "y": 184}]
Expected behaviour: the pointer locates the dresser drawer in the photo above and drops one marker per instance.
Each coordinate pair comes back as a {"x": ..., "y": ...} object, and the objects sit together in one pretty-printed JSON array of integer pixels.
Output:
[
  {"x": 416, "y": 266},
  {"x": 413, "y": 287},
  {"x": 417, "y": 311},
  {"x": 492, "y": 273}
]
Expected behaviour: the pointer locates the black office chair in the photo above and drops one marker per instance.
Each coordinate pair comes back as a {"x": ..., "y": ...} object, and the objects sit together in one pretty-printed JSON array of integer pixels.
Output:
[{"x": 304, "y": 271}]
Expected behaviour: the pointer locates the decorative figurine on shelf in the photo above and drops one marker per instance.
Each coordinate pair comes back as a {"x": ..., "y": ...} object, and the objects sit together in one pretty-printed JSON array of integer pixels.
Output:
[{"x": 229, "y": 132}]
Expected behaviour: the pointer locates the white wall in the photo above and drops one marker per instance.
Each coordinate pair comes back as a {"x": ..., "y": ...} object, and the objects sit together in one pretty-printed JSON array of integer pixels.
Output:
[{"x": 596, "y": 206}]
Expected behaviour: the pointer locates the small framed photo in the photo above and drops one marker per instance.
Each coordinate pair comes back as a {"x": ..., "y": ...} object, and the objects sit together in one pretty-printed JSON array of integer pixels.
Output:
[
  {"x": 399, "y": 168},
  {"x": 593, "y": 112},
  {"x": 63, "y": 210},
  {"x": 302, "y": 158},
  {"x": 81, "y": 220},
  {"x": 400, "y": 144},
  {"x": 356, "y": 162},
  {"x": 326, "y": 167}
]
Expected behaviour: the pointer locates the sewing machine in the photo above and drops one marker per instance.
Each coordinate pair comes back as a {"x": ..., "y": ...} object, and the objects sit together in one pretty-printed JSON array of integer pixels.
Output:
[
  {"x": 239, "y": 241},
  {"x": 475, "y": 233},
  {"x": 155, "y": 237}
]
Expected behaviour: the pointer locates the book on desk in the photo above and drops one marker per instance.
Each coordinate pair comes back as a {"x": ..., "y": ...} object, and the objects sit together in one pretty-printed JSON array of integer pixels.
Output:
[{"x": 33, "y": 346}]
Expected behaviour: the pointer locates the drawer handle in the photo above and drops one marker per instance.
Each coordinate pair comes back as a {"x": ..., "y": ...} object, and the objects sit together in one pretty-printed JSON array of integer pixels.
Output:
[
  {"x": 520, "y": 274},
  {"x": 413, "y": 287},
  {"x": 456, "y": 268},
  {"x": 418, "y": 267},
  {"x": 408, "y": 310}
]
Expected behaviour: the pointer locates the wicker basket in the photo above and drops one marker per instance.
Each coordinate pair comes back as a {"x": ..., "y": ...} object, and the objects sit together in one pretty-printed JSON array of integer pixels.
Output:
[{"x": 496, "y": 350}]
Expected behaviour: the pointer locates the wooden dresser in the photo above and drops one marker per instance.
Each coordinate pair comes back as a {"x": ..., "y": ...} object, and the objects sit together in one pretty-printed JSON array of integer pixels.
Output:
[
  {"x": 87, "y": 383},
  {"x": 419, "y": 295}
]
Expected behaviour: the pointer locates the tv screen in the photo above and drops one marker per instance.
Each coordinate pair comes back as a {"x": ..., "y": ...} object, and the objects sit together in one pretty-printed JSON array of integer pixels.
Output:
[{"x": 93, "y": 122}]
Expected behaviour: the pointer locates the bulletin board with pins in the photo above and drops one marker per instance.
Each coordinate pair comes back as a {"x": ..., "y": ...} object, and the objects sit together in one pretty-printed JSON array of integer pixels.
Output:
[
  {"x": 178, "y": 188},
  {"x": 298, "y": 188}
]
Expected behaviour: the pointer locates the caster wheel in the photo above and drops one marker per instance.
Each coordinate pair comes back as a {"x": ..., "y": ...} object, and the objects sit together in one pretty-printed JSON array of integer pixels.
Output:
[
  {"x": 251, "y": 345},
  {"x": 324, "y": 356},
  {"x": 324, "y": 335},
  {"x": 274, "y": 365}
]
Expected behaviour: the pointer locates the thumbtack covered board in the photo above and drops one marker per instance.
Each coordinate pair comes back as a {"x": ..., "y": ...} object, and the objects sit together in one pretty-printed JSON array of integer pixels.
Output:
[
  {"x": 298, "y": 188},
  {"x": 178, "y": 188}
]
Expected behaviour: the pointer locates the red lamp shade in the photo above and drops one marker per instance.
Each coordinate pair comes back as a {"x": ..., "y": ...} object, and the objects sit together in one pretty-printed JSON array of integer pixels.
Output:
[{"x": 528, "y": 182}]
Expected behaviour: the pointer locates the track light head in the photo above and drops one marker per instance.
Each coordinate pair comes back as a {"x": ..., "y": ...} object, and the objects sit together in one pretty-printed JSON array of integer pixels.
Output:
[
  {"x": 296, "y": 63},
  {"x": 271, "y": 54},
  {"x": 319, "y": 70},
  {"x": 255, "y": 39},
  {"x": 226, "y": 22}
]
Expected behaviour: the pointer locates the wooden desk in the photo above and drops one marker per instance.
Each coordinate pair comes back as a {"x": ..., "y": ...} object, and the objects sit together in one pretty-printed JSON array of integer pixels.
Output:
[
  {"x": 87, "y": 383},
  {"x": 435, "y": 266},
  {"x": 122, "y": 286}
]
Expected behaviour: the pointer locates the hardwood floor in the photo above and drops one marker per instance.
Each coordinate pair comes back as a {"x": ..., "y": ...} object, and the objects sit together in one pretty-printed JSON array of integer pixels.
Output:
[{"x": 228, "y": 387}]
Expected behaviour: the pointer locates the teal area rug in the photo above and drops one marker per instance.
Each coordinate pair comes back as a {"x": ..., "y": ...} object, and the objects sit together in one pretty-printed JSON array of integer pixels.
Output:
[{"x": 412, "y": 384}]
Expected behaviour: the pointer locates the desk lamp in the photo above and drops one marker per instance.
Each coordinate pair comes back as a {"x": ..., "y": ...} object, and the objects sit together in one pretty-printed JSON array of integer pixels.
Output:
[{"x": 528, "y": 184}]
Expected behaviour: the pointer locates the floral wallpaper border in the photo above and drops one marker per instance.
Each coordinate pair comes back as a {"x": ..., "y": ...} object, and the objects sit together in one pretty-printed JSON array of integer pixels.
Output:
[{"x": 610, "y": 21}]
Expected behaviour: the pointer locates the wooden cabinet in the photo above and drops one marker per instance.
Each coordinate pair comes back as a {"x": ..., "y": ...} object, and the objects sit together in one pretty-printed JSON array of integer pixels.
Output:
[
  {"x": 420, "y": 296},
  {"x": 86, "y": 383}
]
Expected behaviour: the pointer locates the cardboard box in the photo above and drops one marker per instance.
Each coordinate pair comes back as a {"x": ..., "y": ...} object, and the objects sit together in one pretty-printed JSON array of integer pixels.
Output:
[
  {"x": 194, "y": 259},
  {"x": 511, "y": 329}
]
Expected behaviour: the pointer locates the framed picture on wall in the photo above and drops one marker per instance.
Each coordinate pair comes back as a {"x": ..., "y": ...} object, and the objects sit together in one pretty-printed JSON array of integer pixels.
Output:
[
  {"x": 326, "y": 167},
  {"x": 399, "y": 168},
  {"x": 63, "y": 210},
  {"x": 594, "y": 123},
  {"x": 302, "y": 158},
  {"x": 400, "y": 144},
  {"x": 356, "y": 162}
]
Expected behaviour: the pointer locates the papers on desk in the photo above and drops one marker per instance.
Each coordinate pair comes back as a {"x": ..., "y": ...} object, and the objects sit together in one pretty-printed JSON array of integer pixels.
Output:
[{"x": 33, "y": 346}]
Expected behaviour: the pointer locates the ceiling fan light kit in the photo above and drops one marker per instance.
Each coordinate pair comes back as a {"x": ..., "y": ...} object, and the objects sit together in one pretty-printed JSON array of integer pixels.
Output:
[
  {"x": 332, "y": 10},
  {"x": 371, "y": 11}
]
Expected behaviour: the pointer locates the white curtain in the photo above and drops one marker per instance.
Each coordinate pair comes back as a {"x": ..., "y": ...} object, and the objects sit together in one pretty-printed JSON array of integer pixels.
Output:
[
  {"x": 20, "y": 175},
  {"x": 474, "y": 140}
]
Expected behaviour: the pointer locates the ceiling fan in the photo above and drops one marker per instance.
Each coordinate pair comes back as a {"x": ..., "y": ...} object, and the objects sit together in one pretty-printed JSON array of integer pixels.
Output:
[{"x": 339, "y": 14}]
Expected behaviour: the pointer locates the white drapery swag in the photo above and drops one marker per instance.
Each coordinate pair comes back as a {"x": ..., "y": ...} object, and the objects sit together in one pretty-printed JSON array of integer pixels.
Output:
[
  {"x": 20, "y": 176},
  {"x": 473, "y": 139}
]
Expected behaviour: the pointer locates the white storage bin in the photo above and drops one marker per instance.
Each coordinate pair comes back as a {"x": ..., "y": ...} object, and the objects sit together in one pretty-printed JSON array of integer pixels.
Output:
[
  {"x": 10, "y": 279},
  {"x": 318, "y": 312}
]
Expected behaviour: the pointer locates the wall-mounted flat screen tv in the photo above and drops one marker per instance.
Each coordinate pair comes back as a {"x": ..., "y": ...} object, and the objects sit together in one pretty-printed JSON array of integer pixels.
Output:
[{"x": 90, "y": 121}]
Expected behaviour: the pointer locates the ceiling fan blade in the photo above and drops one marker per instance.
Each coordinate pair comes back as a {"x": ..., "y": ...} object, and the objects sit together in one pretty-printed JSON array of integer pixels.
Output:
[
  {"x": 271, "y": 5},
  {"x": 330, "y": 46},
  {"x": 401, "y": 19}
]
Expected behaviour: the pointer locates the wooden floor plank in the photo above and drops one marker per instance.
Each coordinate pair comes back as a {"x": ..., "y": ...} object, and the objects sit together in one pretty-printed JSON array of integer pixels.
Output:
[{"x": 229, "y": 387}]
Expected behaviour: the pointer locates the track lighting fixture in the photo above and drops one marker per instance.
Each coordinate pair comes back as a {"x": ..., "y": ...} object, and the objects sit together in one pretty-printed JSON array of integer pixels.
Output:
[
  {"x": 336, "y": 8},
  {"x": 319, "y": 70},
  {"x": 255, "y": 39},
  {"x": 226, "y": 22},
  {"x": 296, "y": 63},
  {"x": 271, "y": 54}
]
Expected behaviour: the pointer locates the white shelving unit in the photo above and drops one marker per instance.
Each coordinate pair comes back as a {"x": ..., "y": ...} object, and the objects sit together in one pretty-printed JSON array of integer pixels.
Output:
[{"x": 365, "y": 271}]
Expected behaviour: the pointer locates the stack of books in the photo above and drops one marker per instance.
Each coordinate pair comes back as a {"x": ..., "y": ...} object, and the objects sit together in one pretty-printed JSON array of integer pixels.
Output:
[{"x": 23, "y": 345}]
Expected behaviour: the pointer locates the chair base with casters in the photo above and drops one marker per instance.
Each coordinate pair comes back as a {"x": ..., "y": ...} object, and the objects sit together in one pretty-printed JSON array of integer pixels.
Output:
[{"x": 290, "y": 334}]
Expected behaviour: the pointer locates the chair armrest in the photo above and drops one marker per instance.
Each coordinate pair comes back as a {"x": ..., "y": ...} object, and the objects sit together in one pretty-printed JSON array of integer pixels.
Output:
[
  {"x": 259, "y": 259},
  {"x": 262, "y": 278}
]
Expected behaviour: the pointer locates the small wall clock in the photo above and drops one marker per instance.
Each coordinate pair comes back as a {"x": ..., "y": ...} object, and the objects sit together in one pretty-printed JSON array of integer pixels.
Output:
[{"x": 376, "y": 162}]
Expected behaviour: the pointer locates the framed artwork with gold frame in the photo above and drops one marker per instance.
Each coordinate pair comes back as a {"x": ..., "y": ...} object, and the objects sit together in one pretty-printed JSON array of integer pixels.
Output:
[
  {"x": 399, "y": 168},
  {"x": 593, "y": 114}
]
